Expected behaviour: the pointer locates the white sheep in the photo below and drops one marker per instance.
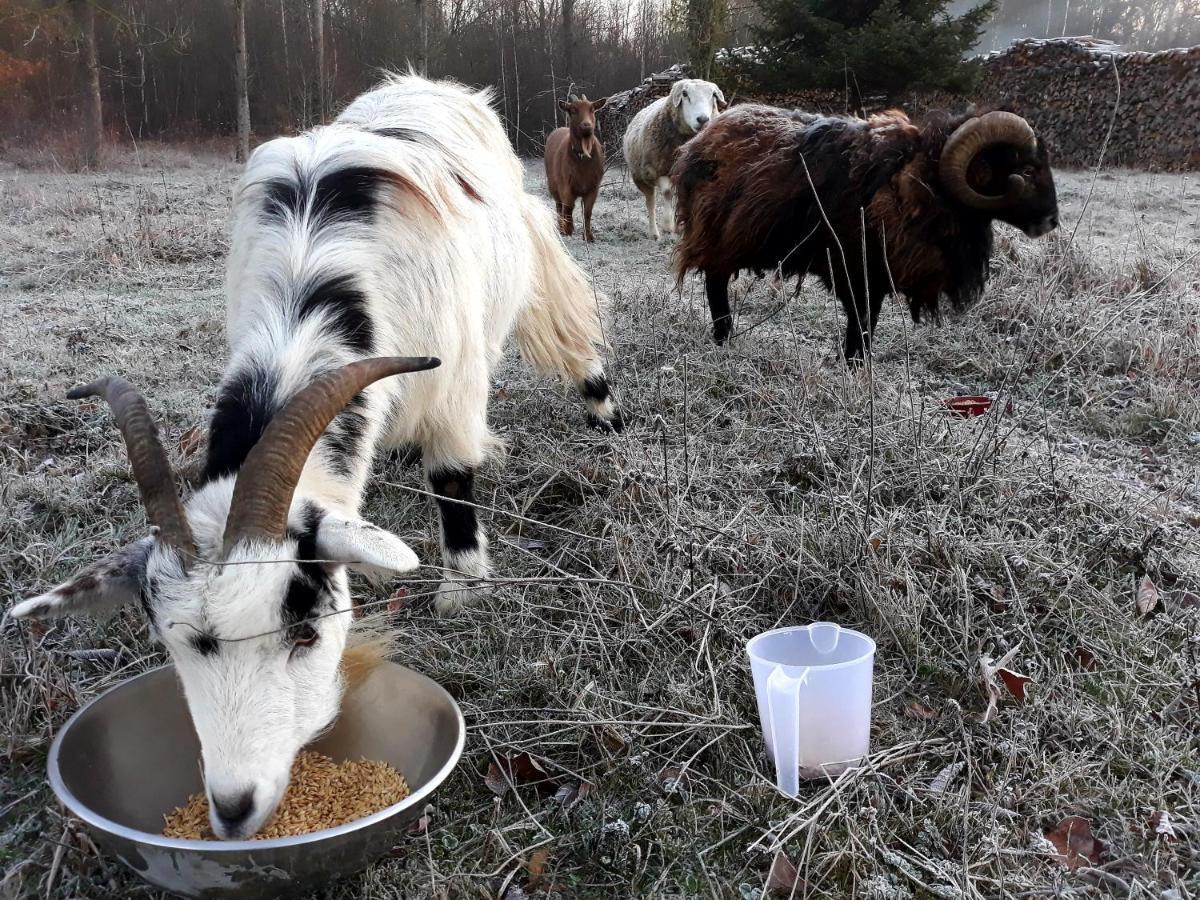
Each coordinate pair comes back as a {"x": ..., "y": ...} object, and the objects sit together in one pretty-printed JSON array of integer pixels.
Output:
[
  {"x": 402, "y": 228},
  {"x": 656, "y": 133}
]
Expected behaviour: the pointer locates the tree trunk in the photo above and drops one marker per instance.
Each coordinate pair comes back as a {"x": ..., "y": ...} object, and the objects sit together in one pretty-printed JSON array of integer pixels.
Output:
[
  {"x": 93, "y": 111},
  {"x": 243, "y": 90},
  {"x": 423, "y": 37},
  {"x": 568, "y": 38},
  {"x": 318, "y": 17}
]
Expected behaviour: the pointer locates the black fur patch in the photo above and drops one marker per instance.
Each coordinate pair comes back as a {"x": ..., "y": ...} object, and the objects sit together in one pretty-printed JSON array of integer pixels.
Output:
[
  {"x": 344, "y": 308},
  {"x": 204, "y": 644},
  {"x": 344, "y": 437},
  {"x": 458, "y": 520},
  {"x": 304, "y": 591},
  {"x": 400, "y": 134},
  {"x": 246, "y": 402},
  {"x": 347, "y": 194},
  {"x": 594, "y": 387}
]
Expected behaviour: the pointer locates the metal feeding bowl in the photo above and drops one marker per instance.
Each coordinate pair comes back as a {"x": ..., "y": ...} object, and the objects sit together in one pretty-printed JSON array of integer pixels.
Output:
[{"x": 131, "y": 756}]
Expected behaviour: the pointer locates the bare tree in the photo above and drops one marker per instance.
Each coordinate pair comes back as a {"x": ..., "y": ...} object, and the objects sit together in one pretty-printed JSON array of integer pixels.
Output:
[
  {"x": 423, "y": 37},
  {"x": 243, "y": 90},
  {"x": 93, "y": 110},
  {"x": 318, "y": 20},
  {"x": 568, "y": 38}
]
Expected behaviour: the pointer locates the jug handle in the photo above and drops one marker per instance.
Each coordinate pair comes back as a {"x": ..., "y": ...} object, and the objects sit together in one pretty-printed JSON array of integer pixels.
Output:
[{"x": 783, "y": 710}]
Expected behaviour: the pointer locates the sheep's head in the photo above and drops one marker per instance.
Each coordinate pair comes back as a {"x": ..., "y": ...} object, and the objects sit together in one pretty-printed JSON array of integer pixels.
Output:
[
  {"x": 581, "y": 119},
  {"x": 695, "y": 103},
  {"x": 996, "y": 164},
  {"x": 247, "y": 590}
]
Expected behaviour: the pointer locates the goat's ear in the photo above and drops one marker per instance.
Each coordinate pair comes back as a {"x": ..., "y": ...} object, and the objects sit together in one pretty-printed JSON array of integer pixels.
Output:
[
  {"x": 720, "y": 98},
  {"x": 599, "y": 104},
  {"x": 364, "y": 547},
  {"x": 564, "y": 105},
  {"x": 99, "y": 589}
]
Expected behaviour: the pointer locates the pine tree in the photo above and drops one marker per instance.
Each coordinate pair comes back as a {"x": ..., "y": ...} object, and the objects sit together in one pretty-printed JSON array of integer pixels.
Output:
[{"x": 867, "y": 46}]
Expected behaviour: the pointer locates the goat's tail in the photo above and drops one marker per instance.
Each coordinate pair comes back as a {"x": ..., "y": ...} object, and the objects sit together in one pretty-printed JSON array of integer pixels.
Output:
[{"x": 559, "y": 330}]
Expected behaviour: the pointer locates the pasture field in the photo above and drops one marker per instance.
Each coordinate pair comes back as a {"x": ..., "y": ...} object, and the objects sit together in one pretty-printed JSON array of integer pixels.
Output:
[{"x": 757, "y": 484}]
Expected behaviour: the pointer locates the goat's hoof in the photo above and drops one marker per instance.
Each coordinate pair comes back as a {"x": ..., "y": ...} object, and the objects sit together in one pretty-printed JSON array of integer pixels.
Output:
[
  {"x": 615, "y": 422},
  {"x": 452, "y": 596}
]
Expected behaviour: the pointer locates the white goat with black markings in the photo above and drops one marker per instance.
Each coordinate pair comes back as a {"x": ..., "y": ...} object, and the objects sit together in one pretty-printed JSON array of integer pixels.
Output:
[{"x": 401, "y": 228}]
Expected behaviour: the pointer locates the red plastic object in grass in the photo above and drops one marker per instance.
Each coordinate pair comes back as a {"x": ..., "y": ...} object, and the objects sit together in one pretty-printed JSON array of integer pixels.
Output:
[{"x": 969, "y": 406}]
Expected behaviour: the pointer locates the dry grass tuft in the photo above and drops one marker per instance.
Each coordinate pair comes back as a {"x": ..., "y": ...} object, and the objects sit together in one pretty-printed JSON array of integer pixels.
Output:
[{"x": 604, "y": 683}]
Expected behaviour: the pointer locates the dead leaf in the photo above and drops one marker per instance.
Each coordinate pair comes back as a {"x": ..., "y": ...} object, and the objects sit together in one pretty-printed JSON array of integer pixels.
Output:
[
  {"x": 672, "y": 780},
  {"x": 941, "y": 781},
  {"x": 496, "y": 781},
  {"x": 398, "y": 600},
  {"x": 611, "y": 738},
  {"x": 502, "y": 392},
  {"x": 421, "y": 825},
  {"x": 1187, "y": 600},
  {"x": 781, "y": 880},
  {"x": 875, "y": 542},
  {"x": 1161, "y": 827},
  {"x": 537, "y": 865},
  {"x": 191, "y": 440},
  {"x": 992, "y": 673},
  {"x": 1074, "y": 843},
  {"x": 1082, "y": 658},
  {"x": 520, "y": 768},
  {"x": 531, "y": 544},
  {"x": 1015, "y": 682},
  {"x": 922, "y": 711},
  {"x": 1147, "y": 596}
]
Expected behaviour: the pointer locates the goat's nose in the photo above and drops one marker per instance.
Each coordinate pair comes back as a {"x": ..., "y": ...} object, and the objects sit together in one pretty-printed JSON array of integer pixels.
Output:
[
  {"x": 233, "y": 809},
  {"x": 702, "y": 119}
]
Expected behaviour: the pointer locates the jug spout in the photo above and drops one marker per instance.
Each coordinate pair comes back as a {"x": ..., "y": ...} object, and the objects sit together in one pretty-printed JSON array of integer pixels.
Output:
[{"x": 783, "y": 704}]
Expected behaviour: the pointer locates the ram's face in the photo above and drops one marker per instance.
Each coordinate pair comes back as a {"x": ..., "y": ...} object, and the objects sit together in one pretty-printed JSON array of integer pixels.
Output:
[{"x": 1036, "y": 210}]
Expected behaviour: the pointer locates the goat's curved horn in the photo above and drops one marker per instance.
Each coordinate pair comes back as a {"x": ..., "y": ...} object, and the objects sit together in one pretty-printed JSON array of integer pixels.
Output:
[
  {"x": 148, "y": 459},
  {"x": 263, "y": 492},
  {"x": 968, "y": 141}
]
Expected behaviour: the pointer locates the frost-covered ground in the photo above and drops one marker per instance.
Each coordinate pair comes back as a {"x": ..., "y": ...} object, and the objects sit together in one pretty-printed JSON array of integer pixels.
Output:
[{"x": 758, "y": 484}]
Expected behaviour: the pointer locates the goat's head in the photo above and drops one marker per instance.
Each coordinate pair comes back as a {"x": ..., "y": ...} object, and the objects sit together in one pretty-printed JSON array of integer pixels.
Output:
[
  {"x": 996, "y": 164},
  {"x": 695, "y": 102},
  {"x": 581, "y": 119},
  {"x": 247, "y": 589}
]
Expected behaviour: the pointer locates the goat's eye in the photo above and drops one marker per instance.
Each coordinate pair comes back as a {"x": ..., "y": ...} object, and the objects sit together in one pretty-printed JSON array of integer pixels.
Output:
[{"x": 303, "y": 636}]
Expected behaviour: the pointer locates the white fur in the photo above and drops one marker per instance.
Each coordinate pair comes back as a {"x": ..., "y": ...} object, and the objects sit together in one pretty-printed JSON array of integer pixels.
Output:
[{"x": 653, "y": 137}]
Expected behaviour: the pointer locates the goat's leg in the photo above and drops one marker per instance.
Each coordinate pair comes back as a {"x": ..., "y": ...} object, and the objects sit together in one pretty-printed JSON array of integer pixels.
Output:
[
  {"x": 568, "y": 216},
  {"x": 451, "y": 456},
  {"x": 589, "y": 200},
  {"x": 716, "y": 286},
  {"x": 667, "y": 192},
  {"x": 862, "y": 307},
  {"x": 563, "y": 223},
  {"x": 651, "y": 212}
]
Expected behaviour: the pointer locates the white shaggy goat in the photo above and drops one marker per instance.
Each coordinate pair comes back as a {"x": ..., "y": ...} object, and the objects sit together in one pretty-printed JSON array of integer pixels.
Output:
[
  {"x": 400, "y": 228},
  {"x": 654, "y": 136}
]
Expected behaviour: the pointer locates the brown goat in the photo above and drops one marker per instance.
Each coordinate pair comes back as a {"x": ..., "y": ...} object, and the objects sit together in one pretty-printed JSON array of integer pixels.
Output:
[{"x": 575, "y": 163}]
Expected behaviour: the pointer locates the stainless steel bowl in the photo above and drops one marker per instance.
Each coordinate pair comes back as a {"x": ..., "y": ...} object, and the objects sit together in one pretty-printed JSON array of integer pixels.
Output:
[{"x": 131, "y": 755}]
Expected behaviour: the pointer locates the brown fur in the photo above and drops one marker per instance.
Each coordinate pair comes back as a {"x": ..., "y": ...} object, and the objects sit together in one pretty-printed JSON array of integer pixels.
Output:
[
  {"x": 762, "y": 188},
  {"x": 575, "y": 165}
]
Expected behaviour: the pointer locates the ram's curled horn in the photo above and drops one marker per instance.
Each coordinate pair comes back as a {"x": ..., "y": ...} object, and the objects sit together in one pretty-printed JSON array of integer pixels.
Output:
[
  {"x": 968, "y": 141},
  {"x": 151, "y": 468},
  {"x": 267, "y": 480}
]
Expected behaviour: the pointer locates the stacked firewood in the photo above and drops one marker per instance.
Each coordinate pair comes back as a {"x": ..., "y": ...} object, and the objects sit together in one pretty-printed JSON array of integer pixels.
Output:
[
  {"x": 1067, "y": 88},
  {"x": 1073, "y": 91}
]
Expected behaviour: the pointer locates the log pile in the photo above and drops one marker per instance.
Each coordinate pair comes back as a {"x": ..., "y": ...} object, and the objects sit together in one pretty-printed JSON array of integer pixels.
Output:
[{"x": 1067, "y": 88}]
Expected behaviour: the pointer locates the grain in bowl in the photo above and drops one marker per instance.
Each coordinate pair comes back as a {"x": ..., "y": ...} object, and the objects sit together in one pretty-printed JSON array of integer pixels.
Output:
[{"x": 322, "y": 794}]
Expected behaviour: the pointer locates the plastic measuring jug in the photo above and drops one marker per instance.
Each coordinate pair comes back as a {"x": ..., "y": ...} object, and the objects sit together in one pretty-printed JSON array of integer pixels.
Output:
[{"x": 813, "y": 684}]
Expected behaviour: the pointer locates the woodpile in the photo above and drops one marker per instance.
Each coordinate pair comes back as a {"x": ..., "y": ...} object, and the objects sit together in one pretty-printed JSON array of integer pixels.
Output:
[{"x": 1067, "y": 88}]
